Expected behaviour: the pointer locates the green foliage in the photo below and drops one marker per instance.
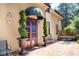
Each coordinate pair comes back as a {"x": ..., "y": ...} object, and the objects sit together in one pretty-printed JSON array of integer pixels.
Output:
[
  {"x": 68, "y": 11},
  {"x": 70, "y": 30},
  {"x": 22, "y": 22},
  {"x": 76, "y": 22},
  {"x": 77, "y": 41},
  {"x": 22, "y": 32},
  {"x": 45, "y": 27},
  {"x": 22, "y": 15}
]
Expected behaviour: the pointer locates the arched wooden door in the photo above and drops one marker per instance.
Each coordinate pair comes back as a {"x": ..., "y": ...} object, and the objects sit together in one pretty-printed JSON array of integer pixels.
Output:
[{"x": 32, "y": 28}]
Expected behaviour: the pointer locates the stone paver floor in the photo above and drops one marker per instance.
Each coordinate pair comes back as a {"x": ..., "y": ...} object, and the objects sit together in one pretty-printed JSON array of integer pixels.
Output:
[{"x": 60, "y": 48}]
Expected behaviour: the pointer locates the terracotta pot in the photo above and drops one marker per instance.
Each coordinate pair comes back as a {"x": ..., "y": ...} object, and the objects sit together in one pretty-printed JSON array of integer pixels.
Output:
[{"x": 22, "y": 42}]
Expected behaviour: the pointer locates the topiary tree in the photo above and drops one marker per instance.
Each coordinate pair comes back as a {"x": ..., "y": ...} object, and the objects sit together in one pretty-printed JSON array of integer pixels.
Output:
[
  {"x": 22, "y": 15},
  {"x": 22, "y": 32},
  {"x": 45, "y": 27},
  {"x": 44, "y": 31},
  {"x": 22, "y": 22}
]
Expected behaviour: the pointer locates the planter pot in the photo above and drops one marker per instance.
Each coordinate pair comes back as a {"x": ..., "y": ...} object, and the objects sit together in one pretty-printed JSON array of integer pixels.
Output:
[
  {"x": 22, "y": 42},
  {"x": 22, "y": 45},
  {"x": 44, "y": 40}
]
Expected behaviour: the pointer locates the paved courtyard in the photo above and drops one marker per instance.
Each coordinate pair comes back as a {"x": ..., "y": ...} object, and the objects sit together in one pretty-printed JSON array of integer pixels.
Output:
[{"x": 61, "y": 48}]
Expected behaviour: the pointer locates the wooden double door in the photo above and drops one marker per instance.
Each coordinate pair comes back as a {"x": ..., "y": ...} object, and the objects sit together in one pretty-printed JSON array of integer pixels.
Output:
[{"x": 32, "y": 29}]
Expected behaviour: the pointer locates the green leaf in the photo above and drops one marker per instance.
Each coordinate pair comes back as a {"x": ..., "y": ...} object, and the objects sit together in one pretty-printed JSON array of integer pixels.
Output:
[
  {"x": 45, "y": 27},
  {"x": 22, "y": 22},
  {"x": 22, "y": 32}
]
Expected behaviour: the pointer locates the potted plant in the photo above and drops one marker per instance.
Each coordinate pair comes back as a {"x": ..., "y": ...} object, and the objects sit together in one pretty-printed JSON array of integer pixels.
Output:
[
  {"x": 22, "y": 31},
  {"x": 44, "y": 31}
]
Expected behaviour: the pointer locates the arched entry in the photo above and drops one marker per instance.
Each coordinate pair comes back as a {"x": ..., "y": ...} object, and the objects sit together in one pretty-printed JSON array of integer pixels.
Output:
[
  {"x": 32, "y": 28},
  {"x": 33, "y": 15}
]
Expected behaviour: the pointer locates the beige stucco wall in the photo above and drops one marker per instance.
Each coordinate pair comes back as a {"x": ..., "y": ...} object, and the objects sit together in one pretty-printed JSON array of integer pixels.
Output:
[
  {"x": 53, "y": 19},
  {"x": 9, "y": 16},
  {"x": 8, "y": 29},
  {"x": 40, "y": 32},
  {"x": 40, "y": 23},
  {"x": 59, "y": 26},
  {"x": 53, "y": 22}
]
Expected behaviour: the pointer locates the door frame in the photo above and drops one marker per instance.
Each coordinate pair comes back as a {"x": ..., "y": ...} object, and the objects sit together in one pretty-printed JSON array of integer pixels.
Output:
[{"x": 36, "y": 41}]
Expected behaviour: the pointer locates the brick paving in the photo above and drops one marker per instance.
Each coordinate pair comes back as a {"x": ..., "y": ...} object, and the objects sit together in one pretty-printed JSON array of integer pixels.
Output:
[{"x": 61, "y": 48}]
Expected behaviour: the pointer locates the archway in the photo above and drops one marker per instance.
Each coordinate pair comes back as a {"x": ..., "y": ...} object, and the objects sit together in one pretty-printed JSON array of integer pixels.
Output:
[{"x": 33, "y": 15}]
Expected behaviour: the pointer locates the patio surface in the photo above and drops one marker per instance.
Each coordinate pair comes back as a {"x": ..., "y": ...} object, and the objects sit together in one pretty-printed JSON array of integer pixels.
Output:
[{"x": 60, "y": 48}]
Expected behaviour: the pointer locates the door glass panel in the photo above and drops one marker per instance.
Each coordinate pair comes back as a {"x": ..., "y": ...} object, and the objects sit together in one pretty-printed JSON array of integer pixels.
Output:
[
  {"x": 28, "y": 22},
  {"x": 33, "y": 26},
  {"x": 28, "y": 29},
  {"x": 33, "y": 23},
  {"x": 32, "y": 30}
]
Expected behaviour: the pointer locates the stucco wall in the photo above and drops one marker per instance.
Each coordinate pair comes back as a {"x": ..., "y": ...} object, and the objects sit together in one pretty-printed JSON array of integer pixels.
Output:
[
  {"x": 40, "y": 32},
  {"x": 60, "y": 26},
  {"x": 9, "y": 16},
  {"x": 40, "y": 23},
  {"x": 9, "y": 24},
  {"x": 53, "y": 19}
]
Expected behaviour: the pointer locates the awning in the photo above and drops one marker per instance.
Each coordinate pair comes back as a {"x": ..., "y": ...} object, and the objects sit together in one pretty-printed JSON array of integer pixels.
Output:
[{"x": 35, "y": 11}]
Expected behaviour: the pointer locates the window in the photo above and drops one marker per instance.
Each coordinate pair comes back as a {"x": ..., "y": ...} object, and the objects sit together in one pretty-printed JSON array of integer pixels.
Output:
[
  {"x": 48, "y": 27},
  {"x": 56, "y": 28}
]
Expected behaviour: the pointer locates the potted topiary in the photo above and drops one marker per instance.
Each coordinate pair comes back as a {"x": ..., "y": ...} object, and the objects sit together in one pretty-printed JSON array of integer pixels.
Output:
[
  {"x": 44, "y": 31},
  {"x": 22, "y": 31}
]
